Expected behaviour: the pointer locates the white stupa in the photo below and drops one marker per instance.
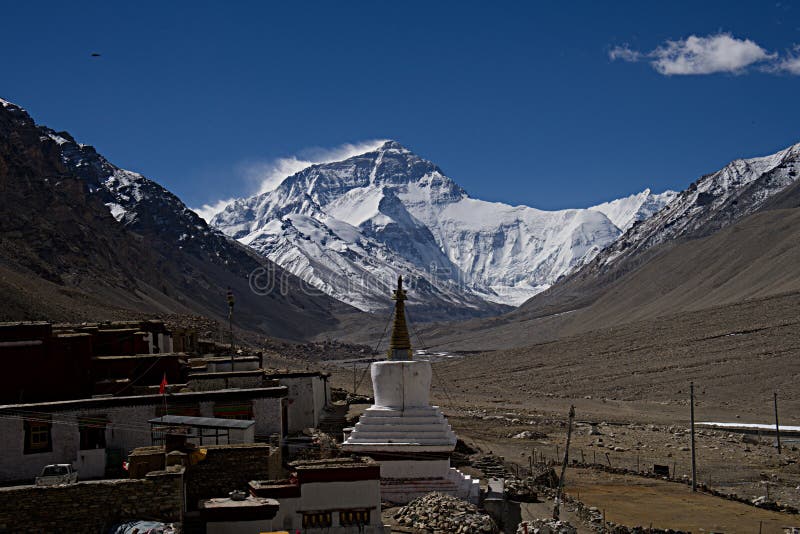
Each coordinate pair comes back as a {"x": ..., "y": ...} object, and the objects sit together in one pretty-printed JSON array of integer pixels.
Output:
[{"x": 411, "y": 439}]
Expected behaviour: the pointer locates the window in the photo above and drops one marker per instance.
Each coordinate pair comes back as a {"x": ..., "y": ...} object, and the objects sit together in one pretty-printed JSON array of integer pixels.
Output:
[
  {"x": 37, "y": 435},
  {"x": 317, "y": 520},
  {"x": 93, "y": 433},
  {"x": 190, "y": 410},
  {"x": 234, "y": 411},
  {"x": 353, "y": 518}
]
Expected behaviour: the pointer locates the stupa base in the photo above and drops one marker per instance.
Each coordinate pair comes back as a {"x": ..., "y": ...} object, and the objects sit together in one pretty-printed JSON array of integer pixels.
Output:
[{"x": 455, "y": 483}]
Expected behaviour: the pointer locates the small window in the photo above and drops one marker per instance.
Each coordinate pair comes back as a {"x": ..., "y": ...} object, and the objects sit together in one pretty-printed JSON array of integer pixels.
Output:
[
  {"x": 242, "y": 412},
  {"x": 189, "y": 410},
  {"x": 350, "y": 518},
  {"x": 92, "y": 433},
  {"x": 317, "y": 520},
  {"x": 37, "y": 436}
]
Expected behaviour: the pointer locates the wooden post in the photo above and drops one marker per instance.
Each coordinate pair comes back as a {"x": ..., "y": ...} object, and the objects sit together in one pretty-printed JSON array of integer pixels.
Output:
[
  {"x": 608, "y": 460},
  {"x": 583, "y": 459},
  {"x": 355, "y": 384},
  {"x": 594, "y": 457},
  {"x": 777, "y": 426},
  {"x": 691, "y": 416},
  {"x": 560, "y": 492}
]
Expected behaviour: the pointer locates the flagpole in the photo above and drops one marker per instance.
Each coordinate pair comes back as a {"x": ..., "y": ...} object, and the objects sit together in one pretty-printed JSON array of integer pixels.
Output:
[{"x": 163, "y": 391}]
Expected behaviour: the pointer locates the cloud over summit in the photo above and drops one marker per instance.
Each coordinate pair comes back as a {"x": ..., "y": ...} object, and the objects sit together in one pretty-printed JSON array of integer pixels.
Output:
[{"x": 264, "y": 176}]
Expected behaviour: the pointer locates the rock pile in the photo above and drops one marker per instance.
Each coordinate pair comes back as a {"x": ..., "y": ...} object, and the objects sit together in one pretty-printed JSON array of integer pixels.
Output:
[
  {"x": 546, "y": 477},
  {"x": 440, "y": 513},
  {"x": 546, "y": 526},
  {"x": 520, "y": 489},
  {"x": 530, "y": 434}
]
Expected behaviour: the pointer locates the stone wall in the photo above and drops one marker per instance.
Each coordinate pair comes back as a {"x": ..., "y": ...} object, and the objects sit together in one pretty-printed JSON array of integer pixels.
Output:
[
  {"x": 230, "y": 467},
  {"x": 218, "y": 381},
  {"x": 92, "y": 506}
]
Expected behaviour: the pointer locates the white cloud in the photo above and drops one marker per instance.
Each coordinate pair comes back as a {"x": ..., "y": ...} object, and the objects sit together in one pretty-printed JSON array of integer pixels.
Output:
[
  {"x": 707, "y": 55},
  {"x": 624, "y": 53},
  {"x": 790, "y": 63},
  {"x": 694, "y": 55},
  {"x": 264, "y": 176},
  {"x": 269, "y": 175},
  {"x": 207, "y": 211}
]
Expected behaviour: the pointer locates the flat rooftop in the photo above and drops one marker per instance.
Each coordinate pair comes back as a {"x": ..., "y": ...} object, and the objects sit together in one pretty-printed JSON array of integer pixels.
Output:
[
  {"x": 201, "y": 422},
  {"x": 335, "y": 463}
]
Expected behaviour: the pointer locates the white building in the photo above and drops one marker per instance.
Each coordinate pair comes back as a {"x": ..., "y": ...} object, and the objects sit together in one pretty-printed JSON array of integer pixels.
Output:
[
  {"x": 97, "y": 434},
  {"x": 307, "y": 398},
  {"x": 337, "y": 496},
  {"x": 410, "y": 438}
]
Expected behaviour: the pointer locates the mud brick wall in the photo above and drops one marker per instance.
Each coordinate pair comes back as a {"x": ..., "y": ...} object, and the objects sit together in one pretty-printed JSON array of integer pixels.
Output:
[
  {"x": 92, "y": 506},
  {"x": 230, "y": 467}
]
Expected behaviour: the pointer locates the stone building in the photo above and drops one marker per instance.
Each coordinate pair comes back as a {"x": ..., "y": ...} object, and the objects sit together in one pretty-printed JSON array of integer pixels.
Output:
[
  {"x": 308, "y": 391},
  {"x": 309, "y": 394},
  {"x": 46, "y": 362}
]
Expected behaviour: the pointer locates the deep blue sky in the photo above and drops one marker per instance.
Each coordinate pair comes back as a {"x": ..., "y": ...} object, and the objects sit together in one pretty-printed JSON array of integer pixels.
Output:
[{"x": 517, "y": 102}]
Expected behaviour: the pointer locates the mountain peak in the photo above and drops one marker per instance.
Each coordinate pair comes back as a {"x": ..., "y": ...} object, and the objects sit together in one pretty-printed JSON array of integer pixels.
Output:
[{"x": 391, "y": 144}]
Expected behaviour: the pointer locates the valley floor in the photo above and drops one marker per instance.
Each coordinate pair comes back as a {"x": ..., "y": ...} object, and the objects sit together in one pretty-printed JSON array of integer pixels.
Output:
[{"x": 632, "y": 382}]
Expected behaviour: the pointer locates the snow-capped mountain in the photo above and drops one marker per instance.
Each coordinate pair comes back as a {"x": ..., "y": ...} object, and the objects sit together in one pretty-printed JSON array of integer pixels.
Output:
[
  {"x": 625, "y": 212},
  {"x": 350, "y": 227},
  {"x": 711, "y": 203}
]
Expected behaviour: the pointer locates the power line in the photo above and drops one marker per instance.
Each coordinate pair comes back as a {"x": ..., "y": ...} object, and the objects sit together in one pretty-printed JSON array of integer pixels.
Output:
[
  {"x": 438, "y": 378},
  {"x": 375, "y": 350}
]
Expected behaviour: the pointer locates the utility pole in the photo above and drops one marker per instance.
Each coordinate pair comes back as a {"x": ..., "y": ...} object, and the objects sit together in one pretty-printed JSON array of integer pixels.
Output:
[
  {"x": 777, "y": 427},
  {"x": 564, "y": 465},
  {"x": 231, "y": 301},
  {"x": 691, "y": 414},
  {"x": 355, "y": 385}
]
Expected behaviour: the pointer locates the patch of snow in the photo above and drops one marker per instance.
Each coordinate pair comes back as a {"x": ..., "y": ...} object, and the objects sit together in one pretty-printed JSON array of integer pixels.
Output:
[
  {"x": 754, "y": 426},
  {"x": 117, "y": 211},
  {"x": 57, "y": 138}
]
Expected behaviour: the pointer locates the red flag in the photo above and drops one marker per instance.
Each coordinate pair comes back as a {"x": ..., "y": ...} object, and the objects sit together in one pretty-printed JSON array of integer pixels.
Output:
[{"x": 163, "y": 388}]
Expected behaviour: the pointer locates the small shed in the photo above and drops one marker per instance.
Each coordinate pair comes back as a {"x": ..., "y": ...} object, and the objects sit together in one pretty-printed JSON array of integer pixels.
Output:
[{"x": 202, "y": 430}]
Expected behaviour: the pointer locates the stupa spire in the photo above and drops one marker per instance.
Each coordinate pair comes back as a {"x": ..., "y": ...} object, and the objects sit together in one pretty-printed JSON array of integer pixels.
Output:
[{"x": 400, "y": 344}]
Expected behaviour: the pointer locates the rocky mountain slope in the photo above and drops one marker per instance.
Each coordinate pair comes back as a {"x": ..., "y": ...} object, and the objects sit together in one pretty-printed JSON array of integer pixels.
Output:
[
  {"x": 730, "y": 237},
  {"x": 350, "y": 227},
  {"x": 83, "y": 239}
]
